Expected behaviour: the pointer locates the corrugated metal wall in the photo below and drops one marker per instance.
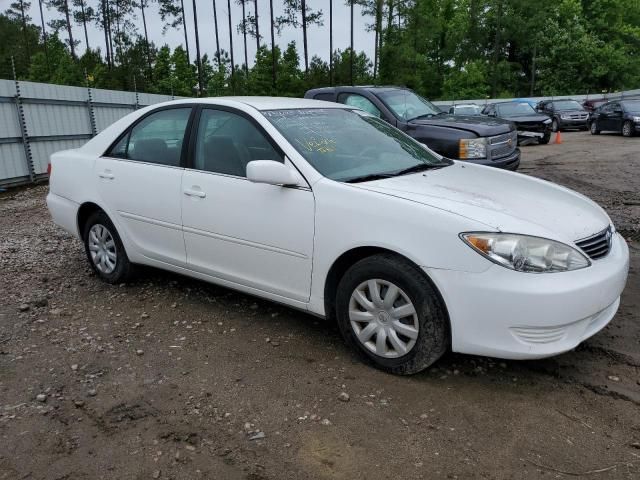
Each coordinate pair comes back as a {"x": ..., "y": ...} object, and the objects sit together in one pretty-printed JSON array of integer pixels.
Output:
[{"x": 37, "y": 119}]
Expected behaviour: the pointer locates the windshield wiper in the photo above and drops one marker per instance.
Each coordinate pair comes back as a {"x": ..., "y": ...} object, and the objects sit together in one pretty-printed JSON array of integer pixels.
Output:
[
  {"x": 421, "y": 167},
  {"x": 370, "y": 177}
]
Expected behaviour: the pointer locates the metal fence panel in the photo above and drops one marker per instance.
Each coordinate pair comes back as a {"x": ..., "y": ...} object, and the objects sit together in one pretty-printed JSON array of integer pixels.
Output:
[
  {"x": 41, "y": 151},
  {"x": 46, "y": 120},
  {"x": 9, "y": 126},
  {"x": 12, "y": 163},
  {"x": 106, "y": 115}
]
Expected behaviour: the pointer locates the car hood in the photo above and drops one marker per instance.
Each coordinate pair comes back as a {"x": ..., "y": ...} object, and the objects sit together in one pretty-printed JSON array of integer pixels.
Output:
[
  {"x": 534, "y": 117},
  {"x": 480, "y": 125},
  {"x": 504, "y": 201}
]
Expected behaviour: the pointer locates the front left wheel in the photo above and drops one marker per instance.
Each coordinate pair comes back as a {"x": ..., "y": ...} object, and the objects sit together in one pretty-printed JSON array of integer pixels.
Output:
[
  {"x": 627, "y": 129},
  {"x": 391, "y": 314},
  {"x": 104, "y": 249}
]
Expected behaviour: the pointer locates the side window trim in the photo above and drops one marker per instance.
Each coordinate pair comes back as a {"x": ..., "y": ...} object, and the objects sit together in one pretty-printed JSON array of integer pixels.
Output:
[{"x": 127, "y": 133}]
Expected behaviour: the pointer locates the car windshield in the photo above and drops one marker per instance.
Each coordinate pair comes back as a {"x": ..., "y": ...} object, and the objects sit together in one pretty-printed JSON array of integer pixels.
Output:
[
  {"x": 631, "y": 106},
  {"x": 347, "y": 146},
  {"x": 466, "y": 110},
  {"x": 567, "y": 105},
  {"x": 515, "y": 109},
  {"x": 406, "y": 105}
]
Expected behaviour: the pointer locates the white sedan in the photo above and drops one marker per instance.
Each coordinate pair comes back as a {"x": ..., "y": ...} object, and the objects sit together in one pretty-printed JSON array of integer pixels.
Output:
[{"x": 330, "y": 210}]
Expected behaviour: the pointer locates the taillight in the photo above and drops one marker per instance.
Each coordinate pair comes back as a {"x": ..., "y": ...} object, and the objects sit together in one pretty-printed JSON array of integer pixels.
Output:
[{"x": 49, "y": 169}]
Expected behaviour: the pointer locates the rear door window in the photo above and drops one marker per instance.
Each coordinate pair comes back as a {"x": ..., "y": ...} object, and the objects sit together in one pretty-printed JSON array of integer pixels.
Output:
[{"x": 157, "y": 138}]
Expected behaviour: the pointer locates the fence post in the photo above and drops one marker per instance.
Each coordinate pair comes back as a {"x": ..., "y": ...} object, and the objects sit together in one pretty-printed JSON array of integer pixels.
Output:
[
  {"x": 92, "y": 114},
  {"x": 23, "y": 126},
  {"x": 135, "y": 88}
]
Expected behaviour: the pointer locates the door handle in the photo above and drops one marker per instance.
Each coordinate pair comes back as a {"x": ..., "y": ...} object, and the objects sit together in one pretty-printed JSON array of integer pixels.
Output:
[
  {"x": 195, "y": 193},
  {"x": 106, "y": 174}
]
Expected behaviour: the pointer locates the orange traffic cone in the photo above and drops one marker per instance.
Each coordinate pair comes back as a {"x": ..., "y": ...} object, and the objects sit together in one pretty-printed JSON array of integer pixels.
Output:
[{"x": 558, "y": 137}]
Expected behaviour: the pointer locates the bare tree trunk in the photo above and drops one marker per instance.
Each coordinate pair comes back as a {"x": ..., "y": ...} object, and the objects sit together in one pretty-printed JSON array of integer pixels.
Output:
[
  {"x": 496, "y": 46},
  {"x": 198, "y": 59},
  {"x": 233, "y": 65},
  {"x": 351, "y": 46},
  {"x": 44, "y": 38},
  {"x": 331, "y": 42},
  {"x": 84, "y": 25},
  {"x": 215, "y": 22},
  {"x": 255, "y": 8},
  {"x": 24, "y": 32},
  {"x": 304, "y": 36},
  {"x": 184, "y": 26},
  {"x": 273, "y": 47},
  {"x": 66, "y": 14},
  {"x": 110, "y": 45},
  {"x": 146, "y": 35},
  {"x": 378, "y": 27},
  {"x": 244, "y": 35}
]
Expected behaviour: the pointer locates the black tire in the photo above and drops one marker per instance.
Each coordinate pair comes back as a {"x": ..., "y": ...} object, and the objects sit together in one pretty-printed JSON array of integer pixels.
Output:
[
  {"x": 123, "y": 268},
  {"x": 544, "y": 140},
  {"x": 627, "y": 129},
  {"x": 594, "y": 128},
  {"x": 433, "y": 332},
  {"x": 555, "y": 125}
]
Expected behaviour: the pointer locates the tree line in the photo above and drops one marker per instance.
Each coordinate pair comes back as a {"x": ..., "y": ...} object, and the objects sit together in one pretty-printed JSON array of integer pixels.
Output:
[{"x": 447, "y": 49}]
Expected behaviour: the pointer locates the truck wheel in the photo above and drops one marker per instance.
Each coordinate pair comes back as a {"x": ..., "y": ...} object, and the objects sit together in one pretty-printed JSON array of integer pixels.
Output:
[{"x": 544, "y": 140}]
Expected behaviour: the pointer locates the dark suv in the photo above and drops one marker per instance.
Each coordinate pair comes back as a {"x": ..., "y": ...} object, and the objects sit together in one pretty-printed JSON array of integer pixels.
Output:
[
  {"x": 622, "y": 116},
  {"x": 481, "y": 140},
  {"x": 564, "y": 114}
]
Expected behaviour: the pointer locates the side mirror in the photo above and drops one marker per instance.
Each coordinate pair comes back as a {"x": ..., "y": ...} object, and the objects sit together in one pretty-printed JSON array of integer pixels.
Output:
[{"x": 271, "y": 173}]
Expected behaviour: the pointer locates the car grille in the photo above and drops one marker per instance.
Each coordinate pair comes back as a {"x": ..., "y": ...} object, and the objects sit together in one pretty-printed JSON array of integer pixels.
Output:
[
  {"x": 578, "y": 116},
  {"x": 598, "y": 245},
  {"x": 503, "y": 145},
  {"x": 531, "y": 126}
]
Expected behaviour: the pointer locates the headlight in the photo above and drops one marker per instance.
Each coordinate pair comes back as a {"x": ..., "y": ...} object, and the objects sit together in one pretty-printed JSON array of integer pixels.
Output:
[
  {"x": 636, "y": 119},
  {"x": 473, "y": 148},
  {"x": 565, "y": 117},
  {"x": 526, "y": 254},
  {"x": 547, "y": 121}
]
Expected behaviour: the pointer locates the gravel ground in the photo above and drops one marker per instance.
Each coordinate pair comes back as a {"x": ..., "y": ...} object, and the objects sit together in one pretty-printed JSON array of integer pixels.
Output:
[{"x": 168, "y": 377}]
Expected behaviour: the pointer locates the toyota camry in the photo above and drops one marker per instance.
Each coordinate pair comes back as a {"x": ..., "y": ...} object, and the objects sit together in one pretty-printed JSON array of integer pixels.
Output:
[{"x": 328, "y": 209}]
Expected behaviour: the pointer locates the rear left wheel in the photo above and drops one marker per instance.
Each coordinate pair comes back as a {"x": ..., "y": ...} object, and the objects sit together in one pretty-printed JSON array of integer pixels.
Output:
[
  {"x": 104, "y": 249},
  {"x": 555, "y": 126},
  {"x": 391, "y": 314},
  {"x": 594, "y": 128}
]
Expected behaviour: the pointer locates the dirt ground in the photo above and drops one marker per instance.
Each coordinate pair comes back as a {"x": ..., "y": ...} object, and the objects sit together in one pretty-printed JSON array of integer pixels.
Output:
[{"x": 168, "y": 377}]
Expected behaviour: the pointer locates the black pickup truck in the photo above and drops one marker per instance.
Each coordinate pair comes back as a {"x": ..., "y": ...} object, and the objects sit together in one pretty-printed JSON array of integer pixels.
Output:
[{"x": 480, "y": 140}]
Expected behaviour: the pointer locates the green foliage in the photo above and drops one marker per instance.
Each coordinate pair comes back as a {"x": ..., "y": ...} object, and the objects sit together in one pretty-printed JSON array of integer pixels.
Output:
[{"x": 450, "y": 49}]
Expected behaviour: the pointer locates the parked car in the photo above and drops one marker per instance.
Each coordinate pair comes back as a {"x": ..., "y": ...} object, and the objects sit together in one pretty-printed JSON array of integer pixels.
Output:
[
  {"x": 484, "y": 141},
  {"x": 530, "y": 124},
  {"x": 622, "y": 116},
  {"x": 592, "y": 104},
  {"x": 565, "y": 114},
  {"x": 465, "y": 109},
  {"x": 330, "y": 210}
]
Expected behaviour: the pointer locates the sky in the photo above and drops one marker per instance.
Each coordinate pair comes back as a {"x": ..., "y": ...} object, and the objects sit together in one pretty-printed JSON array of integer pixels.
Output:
[{"x": 318, "y": 37}]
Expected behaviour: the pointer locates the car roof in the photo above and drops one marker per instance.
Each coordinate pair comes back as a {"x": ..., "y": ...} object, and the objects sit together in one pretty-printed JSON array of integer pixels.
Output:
[
  {"x": 379, "y": 88},
  {"x": 264, "y": 103}
]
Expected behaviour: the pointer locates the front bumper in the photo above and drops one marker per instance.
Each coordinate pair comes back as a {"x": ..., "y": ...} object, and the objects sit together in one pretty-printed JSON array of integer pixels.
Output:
[
  {"x": 573, "y": 123},
  {"x": 508, "y": 314},
  {"x": 510, "y": 162}
]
